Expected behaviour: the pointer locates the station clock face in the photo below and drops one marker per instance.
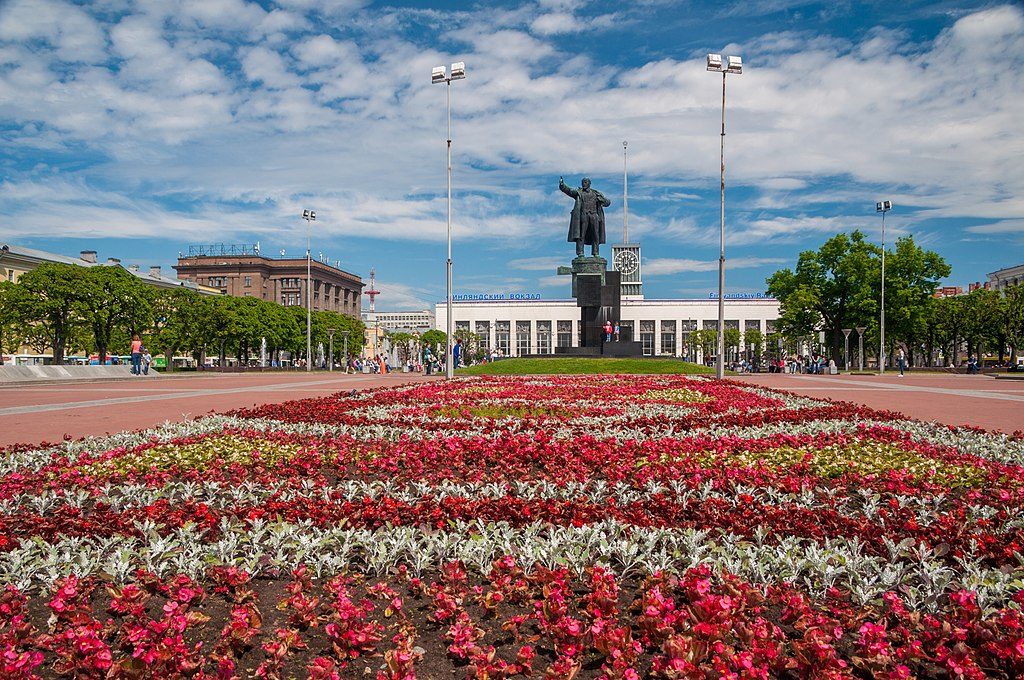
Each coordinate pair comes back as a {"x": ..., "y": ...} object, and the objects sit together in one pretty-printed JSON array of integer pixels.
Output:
[{"x": 626, "y": 261}]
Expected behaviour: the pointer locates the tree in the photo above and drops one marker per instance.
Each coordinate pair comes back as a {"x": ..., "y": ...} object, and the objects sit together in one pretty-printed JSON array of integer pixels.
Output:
[
  {"x": 9, "y": 334},
  {"x": 911, "y": 277},
  {"x": 829, "y": 290},
  {"x": 839, "y": 286},
  {"x": 436, "y": 339},
  {"x": 470, "y": 345},
  {"x": 1014, "y": 319},
  {"x": 732, "y": 341},
  {"x": 753, "y": 340},
  {"x": 113, "y": 299},
  {"x": 46, "y": 302},
  {"x": 402, "y": 342},
  {"x": 174, "y": 321},
  {"x": 707, "y": 340}
]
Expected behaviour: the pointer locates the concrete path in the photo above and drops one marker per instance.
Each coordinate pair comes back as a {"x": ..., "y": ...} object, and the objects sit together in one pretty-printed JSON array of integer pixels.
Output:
[
  {"x": 33, "y": 414},
  {"x": 976, "y": 400}
]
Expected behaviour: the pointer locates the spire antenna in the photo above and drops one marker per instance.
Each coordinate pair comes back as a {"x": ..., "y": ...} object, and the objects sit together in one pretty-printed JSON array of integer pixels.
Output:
[{"x": 625, "y": 197}]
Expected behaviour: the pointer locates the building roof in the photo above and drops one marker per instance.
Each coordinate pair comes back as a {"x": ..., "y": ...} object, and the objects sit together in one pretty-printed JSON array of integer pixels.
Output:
[
  {"x": 1007, "y": 270},
  {"x": 40, "y": 256}
]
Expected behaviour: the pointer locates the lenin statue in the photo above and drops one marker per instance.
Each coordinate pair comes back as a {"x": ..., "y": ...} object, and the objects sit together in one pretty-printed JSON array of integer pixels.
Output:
[{"x": 586, "y": 225}]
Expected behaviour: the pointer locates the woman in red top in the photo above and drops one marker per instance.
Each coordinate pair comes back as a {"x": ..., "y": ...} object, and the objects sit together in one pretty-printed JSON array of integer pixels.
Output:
[{"x": 136, "y": 355}]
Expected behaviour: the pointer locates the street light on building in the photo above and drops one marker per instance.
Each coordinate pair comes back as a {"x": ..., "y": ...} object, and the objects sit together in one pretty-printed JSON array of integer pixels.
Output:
[
  {"x": 438, "y": 75},
  {"x": 309, "y": 216},
  {"x": 731, "y": 65},
  {"x": 882, "y": 207}
]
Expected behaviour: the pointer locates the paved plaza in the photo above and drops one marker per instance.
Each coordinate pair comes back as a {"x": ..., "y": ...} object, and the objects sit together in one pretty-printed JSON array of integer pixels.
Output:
[
  {"x": 974, "y": 400},
  {"x": 32, "y": 414},
  {"x": 36, "y": 413}
]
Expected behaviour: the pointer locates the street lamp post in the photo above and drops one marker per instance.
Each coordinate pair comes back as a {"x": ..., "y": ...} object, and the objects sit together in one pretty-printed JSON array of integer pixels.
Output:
[
  {"x": 846, "y": 348},
  {"x": 731, "y": 65},
  {"x": 860, "y": 340},
  {"x": 344, "y": 335},
  {"x": 438, "y": 75},
  {"x": 330, "y": 361},
  {"x": 309, "y": 216},
  {"x": 882, "y": 207}
]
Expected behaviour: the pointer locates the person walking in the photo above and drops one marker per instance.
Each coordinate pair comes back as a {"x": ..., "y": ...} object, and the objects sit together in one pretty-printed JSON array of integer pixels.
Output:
[
  {"x": 901, "y": 360},
  {"x": 136, "y": 352},
  {"x": 147, "y": 359},
  {"x": 457, "y": 354}
]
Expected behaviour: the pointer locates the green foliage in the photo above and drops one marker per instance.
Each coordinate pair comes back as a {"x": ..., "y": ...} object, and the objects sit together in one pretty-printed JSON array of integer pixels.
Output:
[
  {"x": 435, "y": 339},
  {"x": 829, "y": 290},
  {"x": 707, "y": 340},
  {"x": 112, "y": 300},
  {"x": 839, "y": 286},
  {"x": 66, "y": 306},
  {"x": 579, "y": 366},
  {"x": 753, "y": 339},
  {"x": 1014, "y": 317},
  {"x": 10, "y": 335},
  {"x": 46, "y": 303}
]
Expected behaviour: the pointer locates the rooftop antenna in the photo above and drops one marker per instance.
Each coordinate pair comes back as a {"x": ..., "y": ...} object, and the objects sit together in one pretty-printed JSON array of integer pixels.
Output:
[
  {"x": 625, "y": 197},
  {"x": 372, "y": 292}
]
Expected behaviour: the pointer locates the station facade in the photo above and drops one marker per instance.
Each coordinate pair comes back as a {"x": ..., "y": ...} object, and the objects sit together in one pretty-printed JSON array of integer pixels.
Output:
[{"x": 518, "y": 327}]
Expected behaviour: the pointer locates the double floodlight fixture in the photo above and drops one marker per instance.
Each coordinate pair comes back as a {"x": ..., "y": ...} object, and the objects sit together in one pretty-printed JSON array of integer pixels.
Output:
[
  {"x": 731, "y": 64},
  {"x": 883, "y": 206},
  {"x": 309, "y": 215},
  {"x": 439, "y": 75}
]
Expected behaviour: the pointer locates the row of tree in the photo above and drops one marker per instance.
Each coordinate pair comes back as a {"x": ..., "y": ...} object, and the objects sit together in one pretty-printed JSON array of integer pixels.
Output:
[
  {"x": 65, "y": 308},
  {"x": 839, "y": 286}
]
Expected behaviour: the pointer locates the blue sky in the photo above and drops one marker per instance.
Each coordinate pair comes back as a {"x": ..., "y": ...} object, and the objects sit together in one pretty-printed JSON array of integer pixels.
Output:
[{"x": 138, "y": 128}]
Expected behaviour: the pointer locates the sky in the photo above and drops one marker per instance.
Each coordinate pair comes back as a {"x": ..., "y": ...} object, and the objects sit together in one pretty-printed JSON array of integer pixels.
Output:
[{"x": 139, "y": 128}]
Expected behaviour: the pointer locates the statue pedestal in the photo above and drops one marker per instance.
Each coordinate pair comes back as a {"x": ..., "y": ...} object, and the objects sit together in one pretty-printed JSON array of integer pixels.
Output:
[{"x": 598, "y": 292}]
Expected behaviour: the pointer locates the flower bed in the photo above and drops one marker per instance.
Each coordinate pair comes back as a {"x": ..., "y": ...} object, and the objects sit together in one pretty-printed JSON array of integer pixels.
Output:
[{"x": 613, "y": 527}]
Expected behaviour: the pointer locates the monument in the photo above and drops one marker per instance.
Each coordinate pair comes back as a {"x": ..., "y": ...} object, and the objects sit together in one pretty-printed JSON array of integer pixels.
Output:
[{"x": 597, "y": 290}]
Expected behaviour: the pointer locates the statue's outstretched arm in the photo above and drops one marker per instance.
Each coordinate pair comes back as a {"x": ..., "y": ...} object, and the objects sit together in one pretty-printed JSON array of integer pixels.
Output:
[{"x": 567, "y": 190}]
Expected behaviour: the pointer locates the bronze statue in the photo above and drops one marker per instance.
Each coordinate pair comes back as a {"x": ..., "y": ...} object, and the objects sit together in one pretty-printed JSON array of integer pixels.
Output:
[{"x": 586, "y": 225}]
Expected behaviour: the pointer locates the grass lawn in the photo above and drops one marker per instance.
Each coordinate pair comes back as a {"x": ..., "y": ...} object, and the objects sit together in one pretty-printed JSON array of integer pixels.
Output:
[{"x": 587, "y": 366}]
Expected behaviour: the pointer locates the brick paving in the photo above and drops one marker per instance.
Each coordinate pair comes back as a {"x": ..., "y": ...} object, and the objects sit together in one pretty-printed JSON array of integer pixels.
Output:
[
  {"x": 976, "y": 400},
  {"x": 37, "y": 413}
]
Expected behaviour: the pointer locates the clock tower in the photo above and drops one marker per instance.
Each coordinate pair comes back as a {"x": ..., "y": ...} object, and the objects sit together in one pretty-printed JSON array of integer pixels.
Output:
[
  {"x": 626, "y": 261},
  {"x": 626, "y": 255}
]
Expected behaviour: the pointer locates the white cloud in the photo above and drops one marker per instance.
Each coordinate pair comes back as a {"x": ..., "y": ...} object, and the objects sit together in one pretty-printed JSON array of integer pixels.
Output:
[
  {"x": 537, "y": 263},
  {"x": 344, "y": 115},
  {"x": 667, "y": 266},
  {"x": 75, "y": 36},
  {"x": 1001, "y": 227}
]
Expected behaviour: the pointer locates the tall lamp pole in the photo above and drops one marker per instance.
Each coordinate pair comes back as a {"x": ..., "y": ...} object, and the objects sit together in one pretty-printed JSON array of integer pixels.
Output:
[
  {"x": 344, "y": 335},
  {"x": 860, "y": 343},
  {"x": 330, "y": 362},
  {"x": 882, "y": 207},
  {"x": 438, "y": 75},
  {"x": 731, "y": 65},
  {"x": 846, "y": 348},
  {"x": 309, "y": 216}
]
